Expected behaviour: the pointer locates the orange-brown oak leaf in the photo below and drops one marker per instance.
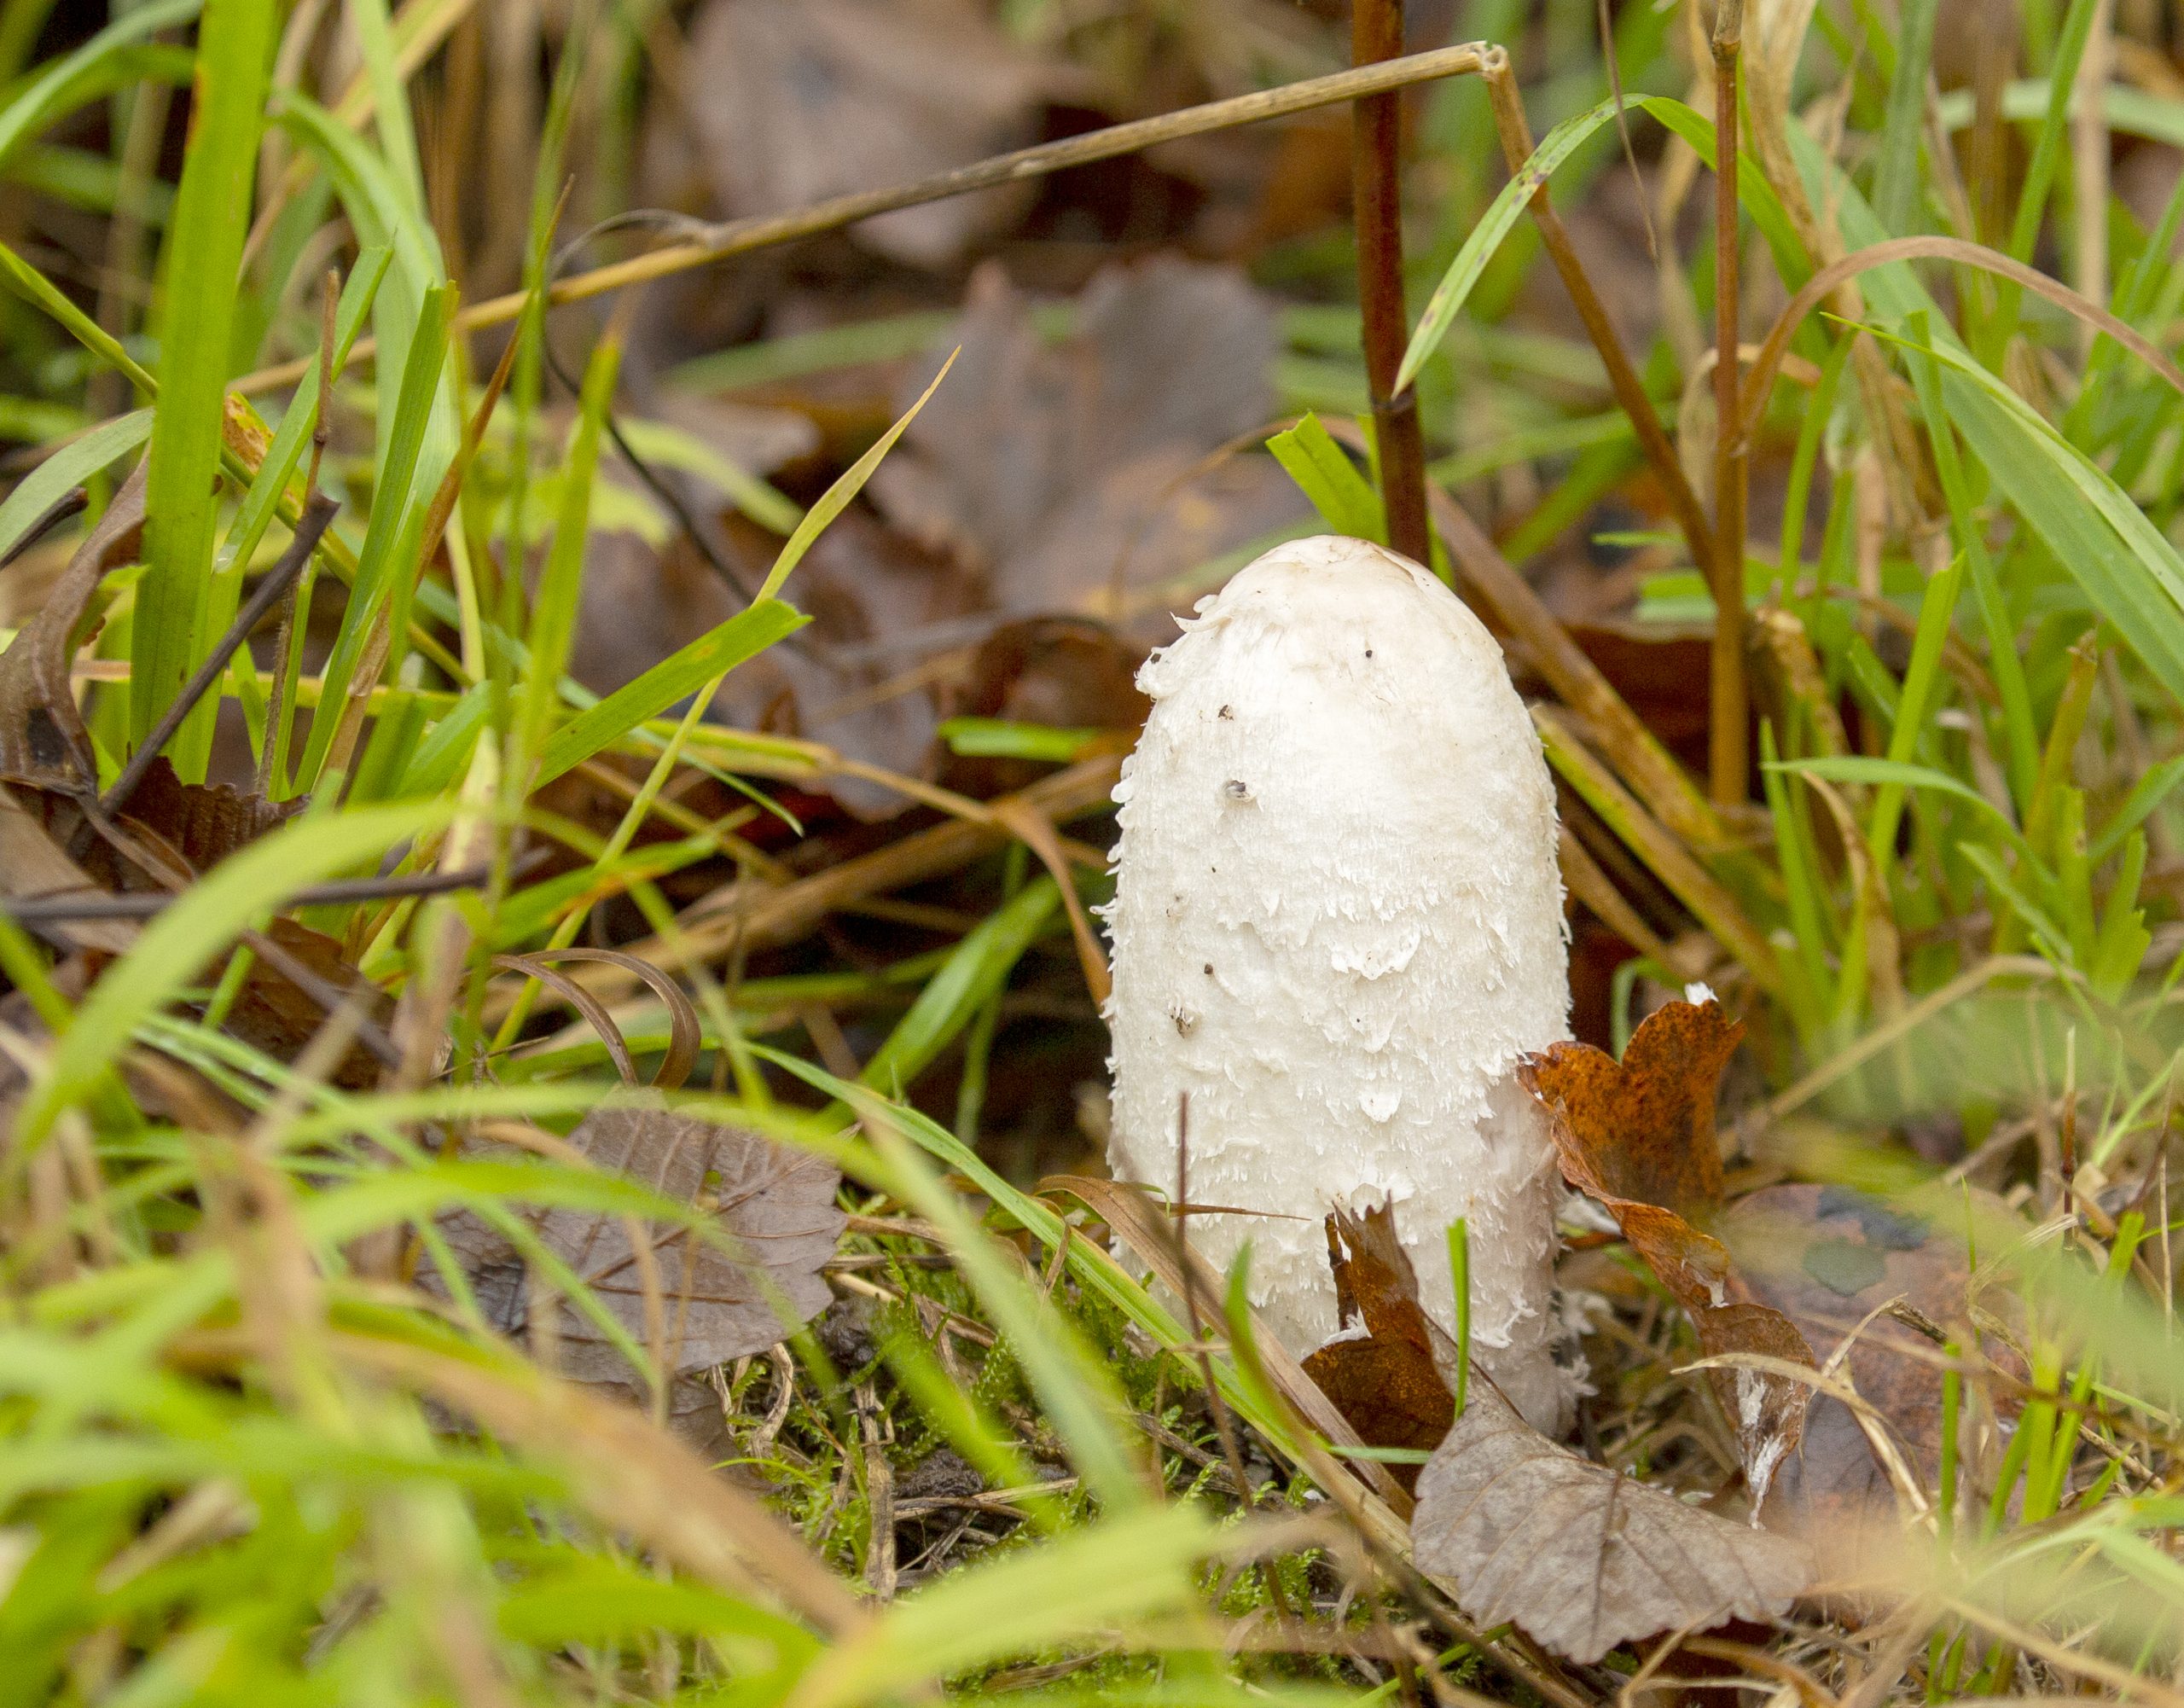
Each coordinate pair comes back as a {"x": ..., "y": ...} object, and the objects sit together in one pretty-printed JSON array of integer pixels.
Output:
[
  {"x": 1385, "y": 1381},
  {"x": 1638, "y": 1135}
]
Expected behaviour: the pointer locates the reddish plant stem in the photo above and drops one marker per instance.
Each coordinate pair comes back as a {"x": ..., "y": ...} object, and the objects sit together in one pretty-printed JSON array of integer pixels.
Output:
[
  {"x": 1728, "y": 758},
  {"x": 1376, "y": 182}
]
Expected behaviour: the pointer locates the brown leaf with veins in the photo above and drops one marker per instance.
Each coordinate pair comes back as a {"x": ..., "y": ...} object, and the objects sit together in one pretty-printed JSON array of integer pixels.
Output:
[
  {"x": 1638, "y": 1135},
  {"x": 1583, "y": 1557},
  {"x": 202, "y": 822},
  {"x": 1529, "y": 1533},
  {"x": 1387, "y": 1383},
  {"x": 774, "y": 1205},
  {"x": 1642, "y": 1129}
]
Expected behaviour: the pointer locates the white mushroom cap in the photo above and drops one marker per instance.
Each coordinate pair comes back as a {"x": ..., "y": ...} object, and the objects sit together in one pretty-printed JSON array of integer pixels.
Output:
[{"x": 1337, "y": 924}]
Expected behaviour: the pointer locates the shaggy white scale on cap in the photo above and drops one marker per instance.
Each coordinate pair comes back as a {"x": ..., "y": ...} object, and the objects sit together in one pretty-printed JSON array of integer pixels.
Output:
[{"x": 1338, "y": 923}]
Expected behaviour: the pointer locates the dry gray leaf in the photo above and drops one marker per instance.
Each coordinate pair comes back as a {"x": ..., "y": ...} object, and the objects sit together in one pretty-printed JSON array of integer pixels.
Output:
[
  {"x": 774, "y": 1205},
  {"x": 807, "y": 99},
  {"x": 1828, "y": 1258},
  {"x": 1582, "y": 1557},
  {"x": 1046, "y": 467}
]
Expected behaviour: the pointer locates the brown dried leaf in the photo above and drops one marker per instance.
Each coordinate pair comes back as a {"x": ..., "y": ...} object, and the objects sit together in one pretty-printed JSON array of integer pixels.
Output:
[
  {"x": 170, "y": 831},
  {"x": 1528, "y": 1532},
  {"x": 1141, "y": 1222},
  {"x": 808, "y": 99},
  {"x": 274, "y": 1013},
  {"x": 776, "y": 1205},
  {"x": 43, "y": 739},
  {"x": 1386, "y": 1382},
  {"x": 1642, "y": 1128},
  {"x": 1068, "y": 672},
  {"x": 185, "y": 828},
  {"x": 1638, "y": 1135},
  {"x": 202, "y": 822},
  {"x": 1580, "y": 1556}
]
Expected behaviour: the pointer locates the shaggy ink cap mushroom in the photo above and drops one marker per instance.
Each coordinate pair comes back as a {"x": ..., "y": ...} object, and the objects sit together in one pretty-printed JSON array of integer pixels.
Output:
[{"x": 1338, "y": 925}]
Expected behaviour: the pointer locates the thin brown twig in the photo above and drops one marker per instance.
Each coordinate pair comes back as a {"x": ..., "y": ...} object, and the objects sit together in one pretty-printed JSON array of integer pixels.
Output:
[
  {"x": 318, "y": 511},
  {"x": 707, "y": 243},
  {"x": 1516, "y": 137},
  {"x": 1376, "y": 199},
  {"x": 1728, "y": 758},
  {"x": 144, "y": 903}
]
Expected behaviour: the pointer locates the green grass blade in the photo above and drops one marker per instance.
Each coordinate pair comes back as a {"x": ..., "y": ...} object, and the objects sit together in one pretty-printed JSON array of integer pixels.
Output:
[
  {"x": 1756, "y": 196},
  {"x": 1129, "y": 1568},
  {"x": 21, "y": 22},
  {"x": 1895, "y": 179},
  {"x": 2120, "y": 559},
  {"x": 980, "y": 967},
  {"x": 1072, "y": 1383},
  {"x": 33, "y": 286},
  {"x": 1801, "y": 882},
  {"x": 2021, "y": 739},
  {"x": 895, "y": 337},
  {"x": 373, "y": 199},
  {"x": 76, "y": 76},
  {"x": 269, "y": 488},
  {"x": 262, "y": 502},
  {"x": 836, "y": 498},
  {"x": 742, "y": 637},
  {"x": 1897, "y": 775},
  {"x": 1455, "y": 289},
  {"x": 2054, "y": 130},
  {"x": 82, "y": 179},
  {"x": 1324, "y": 474},
  {"x": 2048, "y": 937},
  {"x": 204, "y": 255},
  {"x": 554, "y": 614},
  {"x": 665, "y": 446},
  {"x": 398, "y": 500},
  {"x": 2124, "y": 565},
  {"x": 1003, "y": 738},
  {"x": 1920, "y": 678},
  {"x": 398, "y": 141},
  {"x": 67, "y": 468},
  {"x": 2147, "y": 795}
]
